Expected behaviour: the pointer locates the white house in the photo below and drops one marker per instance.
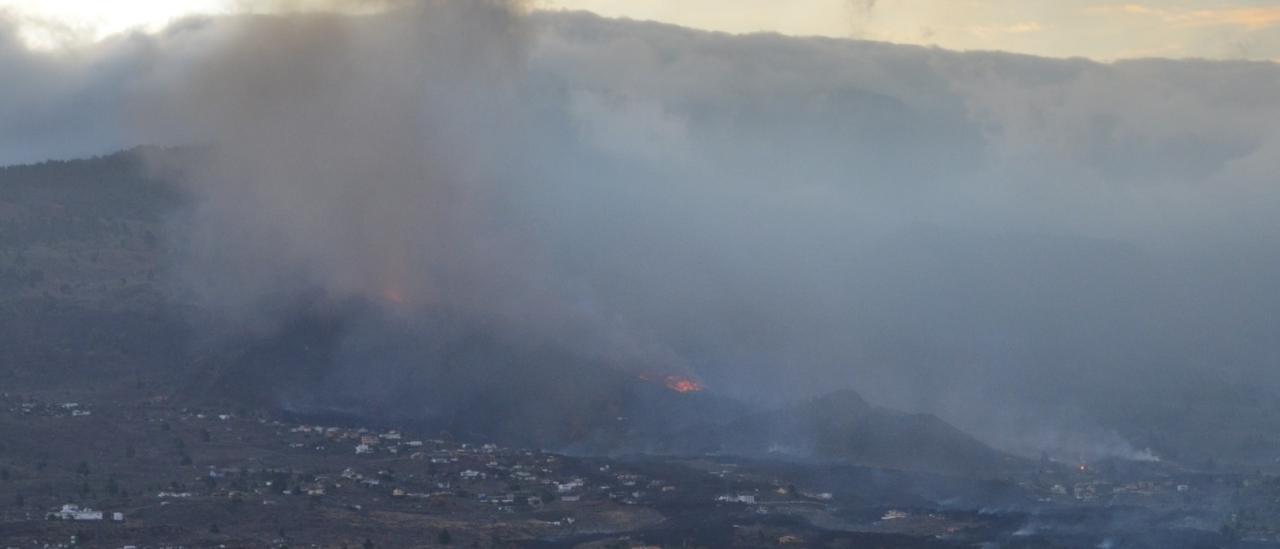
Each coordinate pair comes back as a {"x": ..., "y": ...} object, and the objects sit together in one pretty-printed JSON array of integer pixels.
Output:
[{"x": 75, "y": 512}]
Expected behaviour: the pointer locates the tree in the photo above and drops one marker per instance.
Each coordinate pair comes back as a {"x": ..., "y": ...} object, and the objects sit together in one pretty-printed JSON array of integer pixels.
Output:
[
  {"x": 368, "y": 543},
  {"x": 445, "y": 538},
  {"x": 213, "y": 529},
  {"x": 83, "y": 469},
  {"x": 4, "y": 474},
  {"x": 19, "y": 501}
]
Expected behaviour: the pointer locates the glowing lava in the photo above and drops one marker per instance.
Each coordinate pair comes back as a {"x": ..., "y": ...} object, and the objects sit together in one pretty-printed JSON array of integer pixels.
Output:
[{"x": 683, "y": 384}]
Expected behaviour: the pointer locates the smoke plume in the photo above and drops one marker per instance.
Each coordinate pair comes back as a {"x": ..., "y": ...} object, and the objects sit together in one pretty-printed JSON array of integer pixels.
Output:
[{"x": 1019, "y": 244}]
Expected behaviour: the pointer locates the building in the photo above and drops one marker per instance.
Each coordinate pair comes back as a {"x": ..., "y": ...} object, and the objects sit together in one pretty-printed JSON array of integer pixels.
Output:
[{"x": 76, "y": 512}]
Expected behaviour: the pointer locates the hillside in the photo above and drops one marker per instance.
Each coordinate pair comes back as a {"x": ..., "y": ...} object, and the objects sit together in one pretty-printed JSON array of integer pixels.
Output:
[
  {"x": 86, "y": 244},
  {"x": 842, "y": 427}
]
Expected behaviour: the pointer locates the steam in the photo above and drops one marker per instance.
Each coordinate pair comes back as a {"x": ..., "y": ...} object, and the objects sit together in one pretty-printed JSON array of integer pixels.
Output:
[{"x": 1004, "y": 240}]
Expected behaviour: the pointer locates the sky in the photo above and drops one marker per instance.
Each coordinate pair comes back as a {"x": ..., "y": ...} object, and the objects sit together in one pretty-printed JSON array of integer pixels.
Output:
[{"x": 1098, "y": 29}]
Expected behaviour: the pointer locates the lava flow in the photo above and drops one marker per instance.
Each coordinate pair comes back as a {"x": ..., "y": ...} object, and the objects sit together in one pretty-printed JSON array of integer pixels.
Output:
[{"x": 683, "y": 384}]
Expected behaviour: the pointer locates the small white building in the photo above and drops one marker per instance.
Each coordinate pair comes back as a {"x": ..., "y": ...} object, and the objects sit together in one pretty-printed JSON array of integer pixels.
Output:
[
  {"x": 567, "y": 487},
  {"x": 75, "y": 512},
  {"x": 894, "y": 514}
]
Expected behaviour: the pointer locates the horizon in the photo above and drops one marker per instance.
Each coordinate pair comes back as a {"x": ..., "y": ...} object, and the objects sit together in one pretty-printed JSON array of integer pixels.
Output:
[{"x": 1172, "y": 29}]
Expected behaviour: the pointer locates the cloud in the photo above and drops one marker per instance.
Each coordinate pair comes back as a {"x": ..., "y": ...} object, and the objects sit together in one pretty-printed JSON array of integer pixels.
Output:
[
  {"x": 968, "y": 234},
  {"x": 987, "y": 31},
  {"x": 1249, "y": 18}
]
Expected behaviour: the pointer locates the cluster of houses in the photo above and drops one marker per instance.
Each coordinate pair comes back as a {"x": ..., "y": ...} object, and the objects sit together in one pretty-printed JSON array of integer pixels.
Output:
[
  {"x": 77, "y": 513},
  {"x": 31, "y": 407},
  {"x": 428, "y": 472},
  {"x": 1094, "y": 490},
  {"x": 361, "y": 468}
]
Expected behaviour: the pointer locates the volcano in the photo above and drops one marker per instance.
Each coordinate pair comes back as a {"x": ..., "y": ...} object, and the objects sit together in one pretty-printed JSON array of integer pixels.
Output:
[{"x": 445, "y": 373}]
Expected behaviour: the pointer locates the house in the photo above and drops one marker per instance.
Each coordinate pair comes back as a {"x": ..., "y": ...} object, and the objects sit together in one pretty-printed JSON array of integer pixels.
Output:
[
  {"x": 75, "y": 512},
  {"x": 566, "y": 487},
  {"x": 364, "y": 449}
]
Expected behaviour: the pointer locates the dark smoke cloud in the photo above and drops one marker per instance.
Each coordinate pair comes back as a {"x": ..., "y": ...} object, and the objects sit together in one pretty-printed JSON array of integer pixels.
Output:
[{"x": 1019, "y": 244}]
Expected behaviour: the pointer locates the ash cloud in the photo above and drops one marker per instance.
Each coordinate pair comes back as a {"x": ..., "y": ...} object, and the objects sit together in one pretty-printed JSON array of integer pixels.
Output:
[{"x": 1022, "y": 245}]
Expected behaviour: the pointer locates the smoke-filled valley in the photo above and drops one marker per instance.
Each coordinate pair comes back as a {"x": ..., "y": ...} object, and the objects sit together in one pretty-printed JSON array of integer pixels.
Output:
[{"x": 962, "y": 280}]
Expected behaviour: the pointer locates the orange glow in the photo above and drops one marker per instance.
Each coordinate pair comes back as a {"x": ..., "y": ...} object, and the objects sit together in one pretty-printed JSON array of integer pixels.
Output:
[
  {"x": 683, "y": 385},
  {"x": 393, "y": 295}
]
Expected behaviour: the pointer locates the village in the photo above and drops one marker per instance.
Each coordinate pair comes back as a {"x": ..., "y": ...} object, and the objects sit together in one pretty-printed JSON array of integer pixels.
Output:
[
  {"x": 229, "y": 478},
  {"x": 151, "y": 472}
]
